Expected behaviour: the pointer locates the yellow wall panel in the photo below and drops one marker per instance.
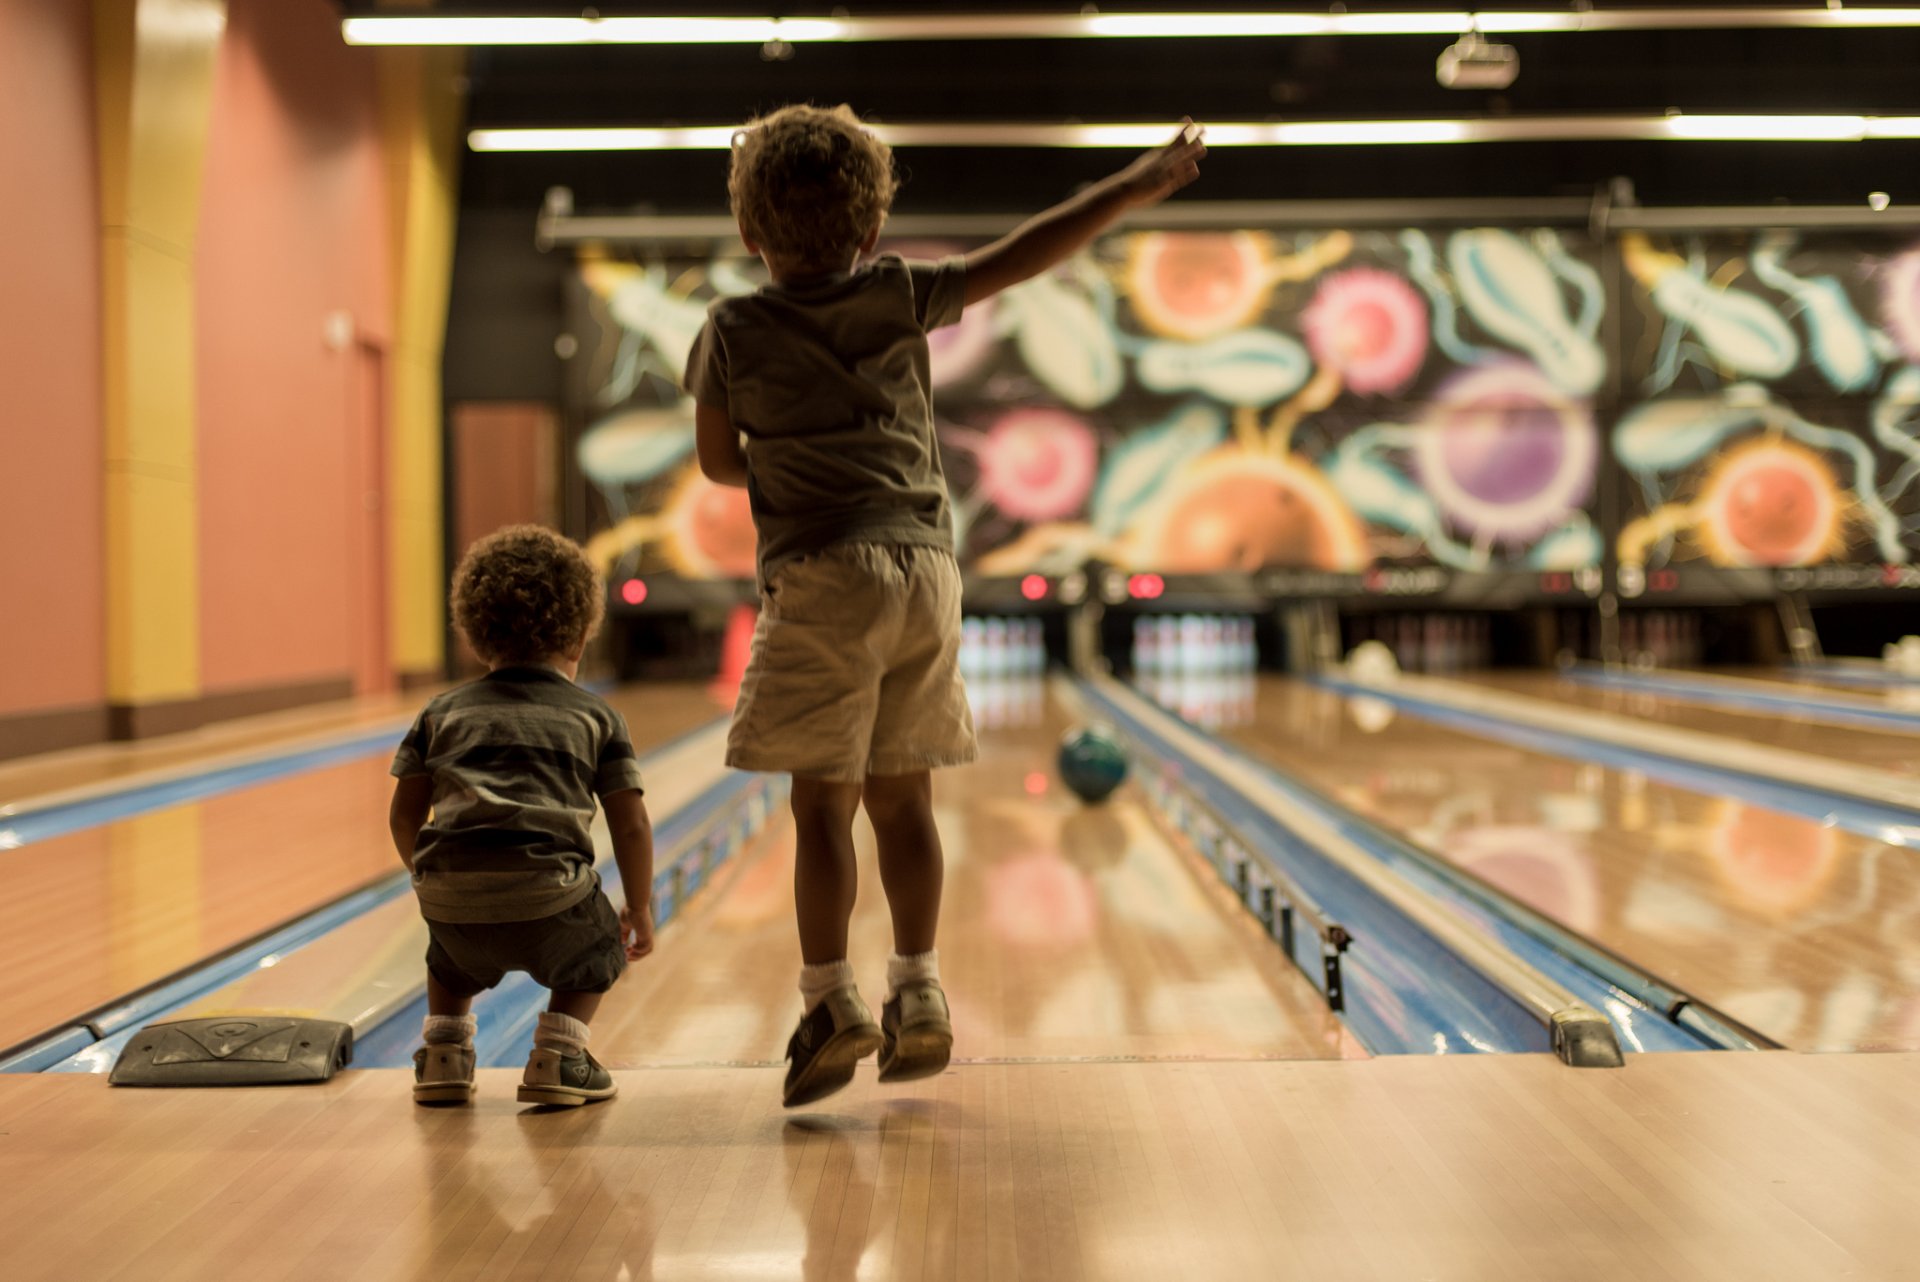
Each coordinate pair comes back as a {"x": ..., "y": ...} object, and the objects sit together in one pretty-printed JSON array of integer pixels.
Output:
[
  {"x": 423, "y": 109},
  {"x": 155, "y": 64}
]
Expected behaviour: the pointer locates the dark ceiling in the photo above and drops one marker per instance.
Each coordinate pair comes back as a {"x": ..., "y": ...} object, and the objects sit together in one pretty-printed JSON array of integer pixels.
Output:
[{"x": 1248, "y": 79}]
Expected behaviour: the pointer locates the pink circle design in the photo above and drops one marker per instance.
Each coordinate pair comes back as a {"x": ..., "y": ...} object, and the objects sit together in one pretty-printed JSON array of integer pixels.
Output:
[
  {"x": 1369, "y": 325},
  {"x": 1038, "y": 464}
]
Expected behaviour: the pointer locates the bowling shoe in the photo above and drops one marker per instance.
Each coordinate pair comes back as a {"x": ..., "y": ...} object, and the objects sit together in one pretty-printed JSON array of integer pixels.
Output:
[
  {"x": 566, "y": 1081},
  {"x": 916, "y": 1032},
  {"x": 832, "y": 1037},
  {"x": 443, "y": 1074}
]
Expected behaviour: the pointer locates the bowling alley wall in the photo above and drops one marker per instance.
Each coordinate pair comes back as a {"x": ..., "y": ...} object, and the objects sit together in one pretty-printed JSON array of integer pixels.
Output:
[
  {"x": 1530, "y": 402},
  {"x": 220, "y": 343}
]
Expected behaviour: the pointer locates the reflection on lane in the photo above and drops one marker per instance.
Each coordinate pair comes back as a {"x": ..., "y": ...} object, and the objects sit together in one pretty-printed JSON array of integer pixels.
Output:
[
  {"x": 1067, "y": 932},
  {"x": 1810, "y": 934}
]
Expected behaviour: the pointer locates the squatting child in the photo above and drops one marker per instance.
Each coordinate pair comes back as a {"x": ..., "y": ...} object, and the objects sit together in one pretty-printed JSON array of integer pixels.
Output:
[
  {"x": 813, "y": 392},
  {"x": 495, "y": 788}
]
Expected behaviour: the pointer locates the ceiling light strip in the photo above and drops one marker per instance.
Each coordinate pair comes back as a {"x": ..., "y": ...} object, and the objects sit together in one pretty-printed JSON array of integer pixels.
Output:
[
  {"x": 452, "y": 29},
  {"x": 1303, "y": 133}
]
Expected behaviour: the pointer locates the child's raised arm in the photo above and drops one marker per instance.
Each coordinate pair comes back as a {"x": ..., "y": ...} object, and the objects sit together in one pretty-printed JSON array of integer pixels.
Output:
[{"x": 1047, "y": 238}]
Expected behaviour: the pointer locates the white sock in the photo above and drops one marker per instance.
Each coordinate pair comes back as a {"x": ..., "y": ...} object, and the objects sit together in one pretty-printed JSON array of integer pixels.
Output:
[
  {"x": 817, "y": 981},
  {"x": 439, "y": 1030},
  {"x": 561, "y": 1033},
  {"x": 911, "y": 968}
]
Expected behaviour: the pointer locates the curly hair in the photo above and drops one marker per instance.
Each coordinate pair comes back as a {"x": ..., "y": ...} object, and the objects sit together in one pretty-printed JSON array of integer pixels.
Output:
[
  {"x": 523, "y": 594},
  {"x": 810, "y": 183}
]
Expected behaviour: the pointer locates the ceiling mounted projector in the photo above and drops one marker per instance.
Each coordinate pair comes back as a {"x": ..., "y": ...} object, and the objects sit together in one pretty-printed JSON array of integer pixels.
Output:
[{"x": 1474, "y": 62}]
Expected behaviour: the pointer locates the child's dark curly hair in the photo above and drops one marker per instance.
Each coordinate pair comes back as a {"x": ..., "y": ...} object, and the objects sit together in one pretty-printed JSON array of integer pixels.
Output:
[
  {"x": 810, "y": 183},
  {"x": 523, "y": 594}
]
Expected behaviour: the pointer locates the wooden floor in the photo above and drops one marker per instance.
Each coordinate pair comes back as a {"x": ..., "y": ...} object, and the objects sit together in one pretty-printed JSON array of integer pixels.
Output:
[
  {"x": 1681, "y": 1168},
  {"x": 1066, "y": 932},
  {"x": 1856, "y": 745},
  {"x": 1809, "y": 934},
  {"x": 87, "y": 917}
]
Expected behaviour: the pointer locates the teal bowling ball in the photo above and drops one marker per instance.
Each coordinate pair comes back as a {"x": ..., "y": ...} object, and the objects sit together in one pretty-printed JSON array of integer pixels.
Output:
[{"x": 1092, "y": 762}]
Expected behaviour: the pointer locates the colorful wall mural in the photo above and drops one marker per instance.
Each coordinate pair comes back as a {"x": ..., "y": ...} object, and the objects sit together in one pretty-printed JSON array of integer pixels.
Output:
[
  {"x": 1772, "y": 402},
  {"x": 1185, "y": 402}
]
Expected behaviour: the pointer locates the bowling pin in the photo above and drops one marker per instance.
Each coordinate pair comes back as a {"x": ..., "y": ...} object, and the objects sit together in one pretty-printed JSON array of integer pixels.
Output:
[{"x": 971, "y": 636}]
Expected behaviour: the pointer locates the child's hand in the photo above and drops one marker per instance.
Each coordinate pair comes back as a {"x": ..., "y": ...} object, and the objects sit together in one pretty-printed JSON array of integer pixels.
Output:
[
  {"x": 636, "y": 931},
  {"x": 1165, "y": 170}
]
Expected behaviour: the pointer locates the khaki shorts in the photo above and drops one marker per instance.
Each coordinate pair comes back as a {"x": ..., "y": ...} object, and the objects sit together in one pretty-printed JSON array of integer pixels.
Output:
[{"x": 856, "y": 667}]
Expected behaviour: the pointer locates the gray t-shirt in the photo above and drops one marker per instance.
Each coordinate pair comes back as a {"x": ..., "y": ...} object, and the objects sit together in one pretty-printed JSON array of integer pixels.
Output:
[
  {"x": 829, "y": 383},
  {"x": 516, "y": 759}
]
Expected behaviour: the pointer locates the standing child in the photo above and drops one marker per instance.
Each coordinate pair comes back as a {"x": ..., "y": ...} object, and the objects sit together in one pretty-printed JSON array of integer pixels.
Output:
[
  {"x": 854, "y": 685},
  {"x": 509, "y": 766}
]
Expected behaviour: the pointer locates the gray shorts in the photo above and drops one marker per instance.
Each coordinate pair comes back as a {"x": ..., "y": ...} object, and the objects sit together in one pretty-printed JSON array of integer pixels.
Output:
[
  {"x": 856, "y": 667},
  {"x": 576, "y": 950}
]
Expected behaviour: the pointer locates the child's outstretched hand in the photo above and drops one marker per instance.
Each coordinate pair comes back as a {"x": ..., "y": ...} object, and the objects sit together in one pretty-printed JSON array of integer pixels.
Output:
[
  {"x": 636, "y": 931},
  {"x": 1165, "y": 170}
]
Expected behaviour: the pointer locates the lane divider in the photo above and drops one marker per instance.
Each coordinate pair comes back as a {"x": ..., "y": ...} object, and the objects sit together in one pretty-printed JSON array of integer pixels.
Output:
[
  {"x": 1743, "y": 695},
  {"x": 1419, "y": 978}
]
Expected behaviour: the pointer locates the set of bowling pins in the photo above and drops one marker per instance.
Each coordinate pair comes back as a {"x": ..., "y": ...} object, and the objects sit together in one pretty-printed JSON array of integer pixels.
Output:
[
  {"x": 1200, "y": 666},
  {"x": 1005, "y": 664},
  {"x": 1002, "y": 647},
  {"x": 1659, "y": 639},
  {"x": 1168, "y": 643},
  {"x": 1430, "y": 642}
]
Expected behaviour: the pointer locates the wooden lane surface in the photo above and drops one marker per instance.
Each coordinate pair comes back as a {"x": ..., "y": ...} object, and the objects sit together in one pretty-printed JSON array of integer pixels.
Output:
[
  {"x": 1067, "y": 931},
  {"x": 1809, "y": 934},
  {"x": 1678, "y": 1168},
  {"x": 1889, "y": 749},
  {"x": 24, "y": 779},
  {"x": 90, "y": 916}
]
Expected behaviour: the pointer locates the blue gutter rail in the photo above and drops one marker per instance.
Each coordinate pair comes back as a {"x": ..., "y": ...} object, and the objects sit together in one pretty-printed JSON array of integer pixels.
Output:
[
  {"x": 1803, "y": 703},
  {"x": 1406, "y": 993},
  {"x": 129, "y": 1014},
  {"x": 1857, "y": 815},
  {"x": 62, "y": 818},
  {"x": 109, "y": 805}
]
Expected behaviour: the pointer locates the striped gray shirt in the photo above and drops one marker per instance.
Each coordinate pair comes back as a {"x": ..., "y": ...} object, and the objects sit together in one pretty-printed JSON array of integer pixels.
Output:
[{"x": 517, "y": 759}]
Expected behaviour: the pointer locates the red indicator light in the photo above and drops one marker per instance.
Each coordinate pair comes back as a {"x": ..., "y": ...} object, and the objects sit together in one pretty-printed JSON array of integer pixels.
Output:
[
  {"x": 1033, "y": 587},
  {"x": 1036, "y": 784},
  {"x": 1145, "y": 587},
  {"x": 633, "y": 591}
]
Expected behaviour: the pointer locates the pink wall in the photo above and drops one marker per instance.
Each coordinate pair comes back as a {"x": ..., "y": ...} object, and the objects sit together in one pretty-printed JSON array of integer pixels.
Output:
[
  {"x": 52, "y": 647},
  {"x": 293, "y": 228}
]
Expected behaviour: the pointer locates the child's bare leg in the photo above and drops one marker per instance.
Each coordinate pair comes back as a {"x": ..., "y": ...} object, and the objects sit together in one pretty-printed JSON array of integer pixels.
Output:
[
  {"x": 912, "y": 867},
  {"x": 580, "y": 1006},
  {"x": 443, "y": 1001},
  {"x": 824, "y": 875}
]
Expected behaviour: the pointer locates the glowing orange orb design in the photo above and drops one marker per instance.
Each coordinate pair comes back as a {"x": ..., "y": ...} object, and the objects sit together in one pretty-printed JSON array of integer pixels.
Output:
[
  {"x": 710, "y": 530},
  {"x": 1244, "y": 512},
  {"x": 1197, "y": 285},
  {"x": 1771, "y": 502}
]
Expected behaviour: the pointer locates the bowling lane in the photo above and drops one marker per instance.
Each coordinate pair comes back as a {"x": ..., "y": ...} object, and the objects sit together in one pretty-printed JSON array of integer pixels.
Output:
[
  {"x": 96, "y": 914},
  {"x": 1809, "y": 934},
  {"x": 1067, "y": 933},
  {"x": 24, "y": 780},
  {"x": 1884, "y": 749}
]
